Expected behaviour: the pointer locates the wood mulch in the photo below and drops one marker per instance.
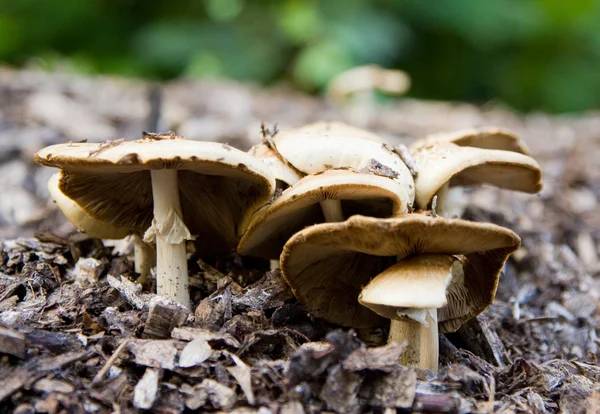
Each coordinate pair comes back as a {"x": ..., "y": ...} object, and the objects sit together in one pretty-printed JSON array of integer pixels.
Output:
[{"x": 77, "y": 335}]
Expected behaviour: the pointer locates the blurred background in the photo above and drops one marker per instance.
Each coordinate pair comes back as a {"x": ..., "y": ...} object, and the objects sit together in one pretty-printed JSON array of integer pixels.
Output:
[
  {"x": 216, "y": 69},
  {"x": 528, "y": 54}
]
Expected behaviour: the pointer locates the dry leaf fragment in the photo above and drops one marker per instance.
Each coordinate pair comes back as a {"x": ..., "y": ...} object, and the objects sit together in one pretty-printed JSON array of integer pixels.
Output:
[
  {"x": 146, "y": 390},
  {"x": 195, "y": 353}
]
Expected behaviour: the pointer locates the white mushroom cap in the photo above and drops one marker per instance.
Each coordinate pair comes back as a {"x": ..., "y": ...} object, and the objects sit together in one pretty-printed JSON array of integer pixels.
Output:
[
  {"x": 280, "y": 169},
  {"x": 220, "y": 186},
  {"x": 328, "y": 264},
  {"x": 440, "y": 162},
  {"x": 368, "y": 78},
  {"x": 325, "y": 145},
  {"x": 78, "y": 217},
  {"x": 298, "y": 207},
  {"x": 484, "y": 138}
]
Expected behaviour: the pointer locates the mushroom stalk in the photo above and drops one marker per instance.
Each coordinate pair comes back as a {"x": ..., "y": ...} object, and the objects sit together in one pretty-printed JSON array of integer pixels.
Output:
[
  {"x": 450, "y": 201},
  {"x": 171, "y": 235},
  {"x": 332, "y": 210},
  {"x": 422, "y": 340},
  {"x": 143, "y": 257},
  {"x": 274, "y": 264},
  {"x": 410, "y": 294}
]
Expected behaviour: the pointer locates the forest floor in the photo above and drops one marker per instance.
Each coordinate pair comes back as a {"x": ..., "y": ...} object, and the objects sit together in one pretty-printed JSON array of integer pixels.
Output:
[{"x": 76, "y": 334}]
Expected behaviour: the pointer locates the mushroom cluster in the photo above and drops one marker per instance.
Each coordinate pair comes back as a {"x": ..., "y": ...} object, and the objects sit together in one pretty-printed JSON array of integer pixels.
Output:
[
  {"x": 363, "y": 232},
  {"x": 365, "y": 241}
]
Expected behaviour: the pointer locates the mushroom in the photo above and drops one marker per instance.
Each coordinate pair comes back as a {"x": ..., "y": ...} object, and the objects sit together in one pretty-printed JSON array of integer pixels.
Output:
[
  {"x": 298, "y": 206},
  {"x": 356, "y": 90},
  {"x": 144, "y": 254},
  {"x": 442, "y": 165},
  {"x": 422, "y": 272},
  {"x": 485, "y": 138},
  {"x": 168, "y": 189},
  {"x": 321, "y": 146},
  {"x": 368, "y": 78},
  {"x": 284, "y": 174}
]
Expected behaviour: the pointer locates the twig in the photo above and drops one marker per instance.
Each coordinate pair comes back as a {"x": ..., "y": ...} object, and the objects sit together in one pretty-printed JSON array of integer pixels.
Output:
[
  {"x": 105, "y": 145},
  {"x": 109, "y": 363},
  {"x": 407, "y": 158}
]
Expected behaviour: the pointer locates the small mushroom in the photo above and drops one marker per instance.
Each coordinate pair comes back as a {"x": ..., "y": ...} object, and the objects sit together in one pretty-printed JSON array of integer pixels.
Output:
[
  {"x": 168, "y": 189},
  {"x": 485, "y": 138},
  {"x": 368, "y": 79},
  {"x": 443, "y": 164},
  {"x": 421, "y": 272},
  {"x": 356, "y": 91},
  {"x": 321, "y": 146},
  {"x": 144, "y": 255},
  {"x": 298, "y": 207}
]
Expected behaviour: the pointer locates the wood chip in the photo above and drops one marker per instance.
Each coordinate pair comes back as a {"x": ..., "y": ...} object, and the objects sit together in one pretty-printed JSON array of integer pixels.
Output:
[
  {"x": 384, "y": 358},
  {"x": 12, "y": 342},
  {"x": 162, "y": 319},
  {"x": 156, "y": 354},
  {"x": 47, "y": 385},
  {"x": 195, "y": 353},
  {"x": 241, "y": 372},
  {"x": 146, "y": 390},
  {"x": 483, "y": 341},
  {"x": 211, "y": 391},
  {"x": 396, "y": 389},
  {"x": 188, "y": 333},
  {"x": 340, "y": 391},
  {"x": 34, "y": 369}
]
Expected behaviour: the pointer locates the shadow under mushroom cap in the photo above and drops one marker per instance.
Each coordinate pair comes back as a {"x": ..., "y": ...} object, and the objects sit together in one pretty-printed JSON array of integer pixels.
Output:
[
  {"x": 328, "y": 264},
  {"x": 219, "y": 186},
  {"x": 298, "y": 207}
]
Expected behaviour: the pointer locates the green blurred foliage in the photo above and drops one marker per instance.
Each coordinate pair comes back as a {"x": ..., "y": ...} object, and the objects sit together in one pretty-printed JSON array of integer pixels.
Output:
[{"x": 531, "y": 54}]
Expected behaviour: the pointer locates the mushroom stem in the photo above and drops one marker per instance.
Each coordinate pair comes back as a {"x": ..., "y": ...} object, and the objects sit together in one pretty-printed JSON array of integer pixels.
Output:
[
  {"x": 274, "y": 264},
  {"x": 450, "y": 201},
  {"x": 422, "y": 340},
  {"x": 170, "y": 234},
  {"x": 144, "y": 258},
  {"x": 332, "y": 210}
]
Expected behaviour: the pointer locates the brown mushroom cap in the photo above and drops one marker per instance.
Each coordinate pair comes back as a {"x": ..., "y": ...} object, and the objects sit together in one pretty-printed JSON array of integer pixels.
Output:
[
  {"x": 78, "y": 217},
  {"x": 328, "y": 264},
  {"x": 484, "y": 138},
  {"x": 220, "y": 186},
  {"x": 298, "y": 207},
  {"x": 440, "y": 162}
]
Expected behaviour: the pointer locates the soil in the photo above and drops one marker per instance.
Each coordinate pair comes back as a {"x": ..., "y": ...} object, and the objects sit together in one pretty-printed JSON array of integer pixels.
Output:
[{"x": 78, "y": 335}]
